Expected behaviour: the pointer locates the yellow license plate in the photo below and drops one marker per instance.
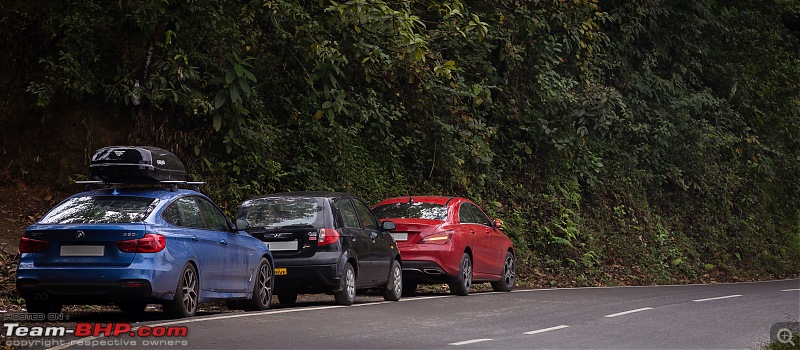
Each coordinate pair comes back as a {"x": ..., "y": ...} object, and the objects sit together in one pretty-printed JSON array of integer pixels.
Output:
[{"x": 280, "y": 271}]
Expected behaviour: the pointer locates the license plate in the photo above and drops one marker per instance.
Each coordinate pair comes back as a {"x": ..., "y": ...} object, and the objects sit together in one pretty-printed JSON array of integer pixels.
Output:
[
  {"x": 282, "y": 245},
  {"x": 280, "y": 271},
  {"x": 82, "y": 250},
  {"x": 400, "y": 236}
]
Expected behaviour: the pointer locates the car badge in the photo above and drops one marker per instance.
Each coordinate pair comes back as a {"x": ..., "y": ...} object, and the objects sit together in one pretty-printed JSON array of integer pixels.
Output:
[
  {"x": 80, "y": 235},
  {"x": 119, "y": 153},
  {"x": 277, "y": 235}
]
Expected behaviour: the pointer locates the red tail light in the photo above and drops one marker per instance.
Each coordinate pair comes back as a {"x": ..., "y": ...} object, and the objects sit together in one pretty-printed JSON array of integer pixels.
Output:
[
  {"x": 150, "y": 243},
  {"x": 440, "y": 237},
  {"x": 30, "y": 245},
  {"x": 327, "y": 236}
]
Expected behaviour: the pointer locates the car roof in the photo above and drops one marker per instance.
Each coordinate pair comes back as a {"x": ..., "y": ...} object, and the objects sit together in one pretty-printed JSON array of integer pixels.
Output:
[
  {"x": 424, "y": 199},
  {"x": 317, "y": 194},
  {"x": 148, "y": 192}
]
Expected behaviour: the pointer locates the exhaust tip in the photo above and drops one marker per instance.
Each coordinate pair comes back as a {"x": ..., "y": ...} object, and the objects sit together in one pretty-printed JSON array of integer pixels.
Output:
[{"x": 433, "y": 271}]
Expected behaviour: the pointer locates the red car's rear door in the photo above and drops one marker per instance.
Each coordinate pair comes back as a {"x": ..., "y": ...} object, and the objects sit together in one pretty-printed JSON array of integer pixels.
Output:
[{"x": 491, "y": 242}]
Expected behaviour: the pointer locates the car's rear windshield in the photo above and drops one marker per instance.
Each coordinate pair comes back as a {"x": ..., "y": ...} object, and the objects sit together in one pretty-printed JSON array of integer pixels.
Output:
[
  {"x": 412, "y": 210},
  {"x": 280, "y": 211},
  {"x": 101, "y": 210}
]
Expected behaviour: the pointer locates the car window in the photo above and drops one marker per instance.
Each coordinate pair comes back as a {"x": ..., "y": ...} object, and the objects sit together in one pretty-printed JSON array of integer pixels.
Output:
[
  {"x": 479, "y": 216},
  {"x": 465, "y": 215},
  {"x": 215, "y": 219},
  {"x": 281, "y": 211},
  {"x": 368, "y": 220},
  {"x": 171, "y": 215},
  {"x": 348, "y": 213},
  {"x": 185, "y": 212},
  {"x": 101, "y": 210},
  {"x": 412, "y": 210}
]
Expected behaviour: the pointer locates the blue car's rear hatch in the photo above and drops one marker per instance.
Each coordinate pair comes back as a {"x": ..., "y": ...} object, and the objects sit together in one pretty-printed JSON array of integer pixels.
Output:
[{"x": 72, "y": 245}]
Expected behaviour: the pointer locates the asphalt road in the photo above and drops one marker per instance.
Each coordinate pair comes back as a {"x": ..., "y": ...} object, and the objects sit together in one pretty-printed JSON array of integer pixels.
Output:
[{"x": 718, "y": 316}]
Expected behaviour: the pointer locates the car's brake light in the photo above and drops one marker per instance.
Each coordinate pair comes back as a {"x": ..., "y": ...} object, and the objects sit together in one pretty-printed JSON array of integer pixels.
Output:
[
  {"x": 440, "y": 237},
  {"x": 150, "y": 243},
  {"x": 327, "y": 236},
  {"x": 30, "y": 245}
]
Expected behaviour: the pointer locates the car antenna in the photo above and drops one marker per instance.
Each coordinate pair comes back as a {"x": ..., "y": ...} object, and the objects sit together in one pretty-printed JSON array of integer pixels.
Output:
[{"x": 410, "y": 200}]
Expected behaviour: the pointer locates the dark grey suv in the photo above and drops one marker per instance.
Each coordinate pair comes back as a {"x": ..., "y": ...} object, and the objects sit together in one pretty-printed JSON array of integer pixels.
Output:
[{"x": 325, "y": 242}]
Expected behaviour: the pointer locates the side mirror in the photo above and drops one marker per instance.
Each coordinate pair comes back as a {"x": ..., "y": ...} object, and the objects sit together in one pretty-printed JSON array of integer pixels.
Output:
[
  {"x": 497, "y": 223},
  {"x": 388, "y": 226},
  {"x": 242, "y": 224}
]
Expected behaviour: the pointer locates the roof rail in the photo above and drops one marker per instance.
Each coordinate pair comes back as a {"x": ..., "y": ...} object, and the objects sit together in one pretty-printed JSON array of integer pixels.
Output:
[{"x": 173, "y": 184}]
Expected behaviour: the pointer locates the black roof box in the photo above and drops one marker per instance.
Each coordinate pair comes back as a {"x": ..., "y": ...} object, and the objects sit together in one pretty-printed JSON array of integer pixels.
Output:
[{"x": 136, "y": 164}]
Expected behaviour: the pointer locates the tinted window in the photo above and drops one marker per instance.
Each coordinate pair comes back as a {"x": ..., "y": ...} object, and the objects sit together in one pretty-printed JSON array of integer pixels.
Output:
[
  {"x": 287, "y": 211},
  {"x": 215, "y": 219},
  {"x": 101, "y": 210},
  {"x": 184, "y": 212},
  {"x": 479, "y": 216},
  {"x": 348, "y": 213},
  {"x": 465, "y": 215},
  {"x": 367, "y": 218},
  {"x": 415, "y": 210},
  {"x": 171, "y": 215}
]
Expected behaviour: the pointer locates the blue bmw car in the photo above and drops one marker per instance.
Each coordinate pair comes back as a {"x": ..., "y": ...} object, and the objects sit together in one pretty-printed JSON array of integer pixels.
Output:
[{"x": 133, "y": 246}]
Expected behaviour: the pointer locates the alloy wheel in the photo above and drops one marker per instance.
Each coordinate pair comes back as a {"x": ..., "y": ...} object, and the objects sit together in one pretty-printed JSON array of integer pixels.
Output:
[
  {"x": 265, "y": 284},
  {"x": 189, "y": 291}
]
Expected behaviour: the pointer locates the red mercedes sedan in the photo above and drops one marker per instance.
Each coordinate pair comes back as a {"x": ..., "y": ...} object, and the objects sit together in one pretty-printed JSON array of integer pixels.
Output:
[{"x": 448, "y": 240}]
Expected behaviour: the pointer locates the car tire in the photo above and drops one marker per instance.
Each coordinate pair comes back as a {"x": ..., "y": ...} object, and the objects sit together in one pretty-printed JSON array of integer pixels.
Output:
[
  {"x": 287, "y": 297},
  {"x": 262, "y": 290},
  {"x": 509, "y": 276},
  {"x": 132, "y": 307},
  {"x": 409, "y": 288},
  {"x": 393, "y": 289},
  {"x": 347, "y": 288},
  {"x": 42, "y": 307},
  {"x": 187, "y": 294},
  {"x": 463, "y": 282}
]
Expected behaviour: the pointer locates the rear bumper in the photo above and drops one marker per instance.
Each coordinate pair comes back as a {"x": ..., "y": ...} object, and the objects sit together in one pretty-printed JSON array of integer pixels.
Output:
[
  {"x": 431, "y": 263},
  {"x": 85, "y": 293},
  {"x": 319, "y": 273},
  {"x": 98, "y": 284}
]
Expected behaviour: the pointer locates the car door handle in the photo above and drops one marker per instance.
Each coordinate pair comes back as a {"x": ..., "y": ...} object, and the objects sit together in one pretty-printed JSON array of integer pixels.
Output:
[
  {"x": 194, "y": 239},
  {"x": 373, "y": 235},
  {"x": 223, "y": 242}
]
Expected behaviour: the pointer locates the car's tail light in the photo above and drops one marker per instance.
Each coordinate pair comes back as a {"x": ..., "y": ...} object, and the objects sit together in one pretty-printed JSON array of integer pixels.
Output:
[
  {"x": 30, "y": 245},
  {"x": 327, "y": 236},
  {"x": 439, "y": 237},
  {"x": 150, "y": 243}
]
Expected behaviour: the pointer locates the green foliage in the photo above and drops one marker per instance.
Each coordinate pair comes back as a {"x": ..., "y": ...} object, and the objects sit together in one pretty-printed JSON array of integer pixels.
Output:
[{"x": 652, "y": 137}]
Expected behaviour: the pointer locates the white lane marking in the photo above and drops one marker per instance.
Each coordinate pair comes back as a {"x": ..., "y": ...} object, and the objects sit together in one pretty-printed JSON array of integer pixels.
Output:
[
  {"x": 372, "y": 303},
  {"x": 423, "y": 298},
  {"x": 469, "y": 341},
  {"x": 717, "y": 298},
  {"x": 657, "y": 286},
  {"x": 790, "y": 290},
  {"x": 629, "y": 312},
  {"x": 547, "y": 329}
]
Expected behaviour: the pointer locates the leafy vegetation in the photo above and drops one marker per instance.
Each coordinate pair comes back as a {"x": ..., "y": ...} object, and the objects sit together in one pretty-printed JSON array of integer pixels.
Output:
[{"x": 620, "y": 141}]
